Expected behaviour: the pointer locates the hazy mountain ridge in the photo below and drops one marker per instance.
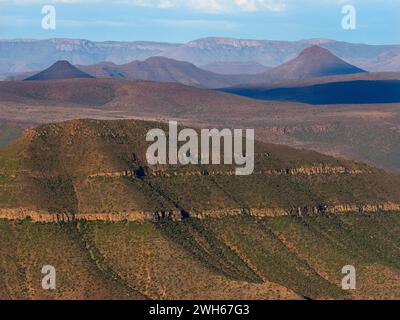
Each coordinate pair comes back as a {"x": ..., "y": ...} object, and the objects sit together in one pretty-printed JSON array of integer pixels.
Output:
[
  {"x": 161, "y": 69},
  {"x": 27, "y": 55},
  {"x": 235, "y": 67}
]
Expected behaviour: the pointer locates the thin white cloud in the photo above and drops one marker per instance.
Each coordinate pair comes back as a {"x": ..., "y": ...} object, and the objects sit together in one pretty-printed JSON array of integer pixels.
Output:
[
  {"x": 204, "y": 24},
  {"x": 213, "y": 6},
  {"x": 93, "y": 23},
  {"x": 21, "y": 2},
  {"x": 199, "y": 5},
  {"x": 216, "y": 5}
]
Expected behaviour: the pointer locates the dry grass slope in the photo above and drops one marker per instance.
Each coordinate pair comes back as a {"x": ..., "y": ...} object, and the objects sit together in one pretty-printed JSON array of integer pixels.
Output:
[{"x": 76, "y": 168}]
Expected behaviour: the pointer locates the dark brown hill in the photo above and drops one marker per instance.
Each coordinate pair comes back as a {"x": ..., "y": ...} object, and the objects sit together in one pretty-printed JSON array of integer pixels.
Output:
[
  {"x": 59, "y": 70},
  {"x": 312, "y": 62},
  {"x": 139, "y": 96},
  {"x": 160, "y": 69}
]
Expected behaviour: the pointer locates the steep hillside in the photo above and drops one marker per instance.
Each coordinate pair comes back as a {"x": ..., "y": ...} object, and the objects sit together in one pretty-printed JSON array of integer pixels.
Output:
[
  {"x": 10, "y": 130},
  {"x": 77, "y": 274},
  {"x": 312, "y": 62},
  {"x": 229, "y": 258},
  {"x": 59, "y": 70},
  {"x": 90, "y": 166},
  {"x": 131, "y": 231}
]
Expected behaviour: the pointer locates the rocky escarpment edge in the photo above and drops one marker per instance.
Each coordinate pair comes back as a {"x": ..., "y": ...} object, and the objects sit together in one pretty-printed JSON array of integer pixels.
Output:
[{"x": 19, "y": 214}]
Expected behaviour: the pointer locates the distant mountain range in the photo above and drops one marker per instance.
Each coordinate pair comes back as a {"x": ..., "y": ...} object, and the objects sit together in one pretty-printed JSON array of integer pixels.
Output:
[
  {"x": 318, "y": 77},
  {"x": 26, "y": 54},
  {"x": 312, "y": 62},
  {"x": 157, "y": 69},
  {"x": 235, "y": 67},
  {"x": 162, "y": 69}
]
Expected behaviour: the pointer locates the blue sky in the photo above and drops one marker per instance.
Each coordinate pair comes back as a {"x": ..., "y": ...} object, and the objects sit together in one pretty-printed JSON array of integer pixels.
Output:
[{"x": 185, "y": 20}]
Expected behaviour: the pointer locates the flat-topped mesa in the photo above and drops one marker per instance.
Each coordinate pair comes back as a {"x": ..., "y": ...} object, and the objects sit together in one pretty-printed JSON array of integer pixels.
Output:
[{"x": 91, "y": 169}]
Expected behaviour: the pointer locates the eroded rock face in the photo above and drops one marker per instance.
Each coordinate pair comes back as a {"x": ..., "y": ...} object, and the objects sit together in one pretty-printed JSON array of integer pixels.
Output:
[
  {"x": 308, "y": 171},
  {"x": 127, "y": 216},
  {"x": 315, "y": 129},
  {"x": 180, "y": 215},
  {"x": 36, "y": 216},
  {"x": 165, "y": 216},
  {"x": 368, "y": 208},
  {"x": 268, "y": 212},
  {"x": 216, "y": 213},
  {"x": 324, "y": 170}
]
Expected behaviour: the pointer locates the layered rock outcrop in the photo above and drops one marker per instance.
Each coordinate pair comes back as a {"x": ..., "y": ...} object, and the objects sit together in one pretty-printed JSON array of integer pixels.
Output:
[
  {"x": 179, "y": 215},
  {"x": 307, "y": 171}
]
